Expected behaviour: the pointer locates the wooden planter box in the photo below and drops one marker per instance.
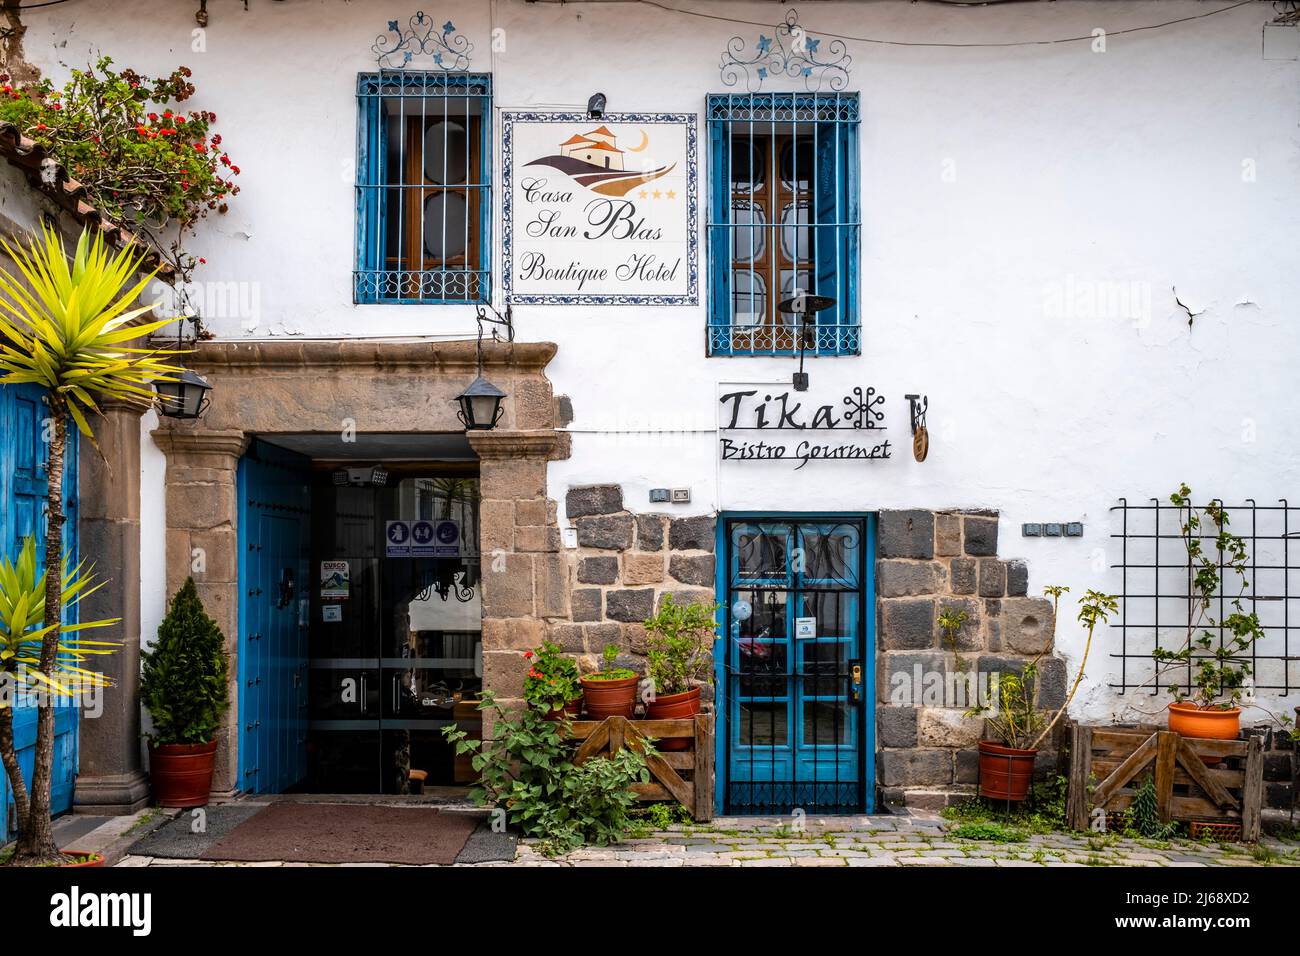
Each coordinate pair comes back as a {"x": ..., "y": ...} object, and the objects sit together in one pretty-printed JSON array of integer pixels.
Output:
[
  {"x": 683, "y": 775},
  {"x": 1108, "y": 764}
]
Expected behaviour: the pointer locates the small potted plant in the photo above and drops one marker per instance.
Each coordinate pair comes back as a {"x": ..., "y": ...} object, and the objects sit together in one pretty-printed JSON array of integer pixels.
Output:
[
  {"x": 183, "y": 684},
  {"x": 680, "y": 659},
  {"x": 1219, "y": 663},
  {"x": 610, "y": 691},
  {"x": 1017, "y": 727},
  {"x": 552, "y": 683}
]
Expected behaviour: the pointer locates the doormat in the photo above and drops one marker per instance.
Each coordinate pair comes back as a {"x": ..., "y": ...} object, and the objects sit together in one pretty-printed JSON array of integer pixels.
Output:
[
  {"x": 346, "y": 833},
  {"x": 191, "y": 833}
]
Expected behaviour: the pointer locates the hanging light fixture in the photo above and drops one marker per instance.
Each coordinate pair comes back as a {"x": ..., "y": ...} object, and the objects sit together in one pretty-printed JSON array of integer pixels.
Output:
[
  {"x": 186, "y": 396},
  {"x": 481, "y": 404}
]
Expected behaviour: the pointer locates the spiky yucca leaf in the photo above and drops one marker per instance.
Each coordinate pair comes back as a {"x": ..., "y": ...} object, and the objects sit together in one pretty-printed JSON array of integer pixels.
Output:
[
  {"x": 63, "y": 324},
  {"x": 22, "y": 628}
]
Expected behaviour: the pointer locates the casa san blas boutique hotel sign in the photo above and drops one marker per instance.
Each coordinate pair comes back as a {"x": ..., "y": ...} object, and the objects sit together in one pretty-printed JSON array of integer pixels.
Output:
[{"x": 600, "y": 211}]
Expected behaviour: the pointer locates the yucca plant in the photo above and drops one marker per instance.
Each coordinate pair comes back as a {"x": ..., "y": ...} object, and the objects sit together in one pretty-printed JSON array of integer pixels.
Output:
[
  {"x": 23, "y": 636},
  {"x": 67, "y": 326}
]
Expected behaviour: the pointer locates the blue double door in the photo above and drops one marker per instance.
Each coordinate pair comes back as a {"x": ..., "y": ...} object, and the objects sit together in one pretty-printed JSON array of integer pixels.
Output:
[
  {"x": 796, "y": 670},
  {"x": 23, "y": 456}
]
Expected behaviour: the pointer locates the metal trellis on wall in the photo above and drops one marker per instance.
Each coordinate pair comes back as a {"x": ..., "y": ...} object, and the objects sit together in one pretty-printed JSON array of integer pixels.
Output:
[{"x": 1156, "y": 589}]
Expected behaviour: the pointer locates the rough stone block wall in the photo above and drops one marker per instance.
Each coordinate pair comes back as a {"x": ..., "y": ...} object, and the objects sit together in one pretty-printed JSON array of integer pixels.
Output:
[
  {"x": 582, "y": 599},
  {"x": 928, "y": 562}
]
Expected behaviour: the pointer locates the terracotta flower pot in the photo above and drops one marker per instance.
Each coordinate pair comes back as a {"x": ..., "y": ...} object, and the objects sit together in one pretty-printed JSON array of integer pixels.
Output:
[
  {"x": 573, "y": 708},
  {"x": 610, "y": 698},
  {"x": 1206, "y": 723},
  {"x": 1005, "y": 772},
  {"x": 96, "y": 859},
  {"x": 181, "y": 774},
  {"x": 674, "y": 707}
]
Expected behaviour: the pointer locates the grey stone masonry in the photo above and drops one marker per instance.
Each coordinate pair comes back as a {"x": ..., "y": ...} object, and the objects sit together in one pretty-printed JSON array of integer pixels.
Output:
[
  {"x": 929, "y": 564},
  {"x": 623, "y": 568}
]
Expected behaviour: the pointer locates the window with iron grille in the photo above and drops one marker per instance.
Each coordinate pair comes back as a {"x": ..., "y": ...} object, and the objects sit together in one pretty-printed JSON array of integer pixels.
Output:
[
  {"x": 423, "y": 190},
  {"x": 783, "y": 219}
]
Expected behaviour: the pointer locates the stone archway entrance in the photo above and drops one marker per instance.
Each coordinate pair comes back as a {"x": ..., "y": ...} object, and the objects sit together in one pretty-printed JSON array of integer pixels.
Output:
[{"x": 343, "y": 389}]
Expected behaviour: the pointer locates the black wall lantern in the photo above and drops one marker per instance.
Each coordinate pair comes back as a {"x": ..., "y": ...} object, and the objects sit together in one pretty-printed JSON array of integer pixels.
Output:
[
  {"x": 186, "y": 396},
  {"x": 596, "y": 106},
  {"x": 480, "y": 404}
]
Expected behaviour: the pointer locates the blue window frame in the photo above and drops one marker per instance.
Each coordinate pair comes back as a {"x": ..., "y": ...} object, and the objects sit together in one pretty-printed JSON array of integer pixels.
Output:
[
  {"x": 424, "y": 194},
  {"x": 783, "y": 218}
]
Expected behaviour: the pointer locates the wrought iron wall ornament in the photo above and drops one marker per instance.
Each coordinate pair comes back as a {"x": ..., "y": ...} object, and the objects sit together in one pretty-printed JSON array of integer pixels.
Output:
[
  {"x": 920, "y": 434},
  {"x": 422, "y": 45},
  {"x": 862, "y": 407},
  {"x": 790, "y": 52}
]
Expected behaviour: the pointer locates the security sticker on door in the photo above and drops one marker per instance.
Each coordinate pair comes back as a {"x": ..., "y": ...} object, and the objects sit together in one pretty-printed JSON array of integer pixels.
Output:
[
  {"x": 331, "y": 613},
  {"x": 805, "y": 628},
  {"x": 335, "y": 579}
]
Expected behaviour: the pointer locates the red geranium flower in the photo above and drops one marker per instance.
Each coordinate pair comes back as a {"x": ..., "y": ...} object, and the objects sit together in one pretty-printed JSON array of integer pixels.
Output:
[{"x": 528, "y": 655}]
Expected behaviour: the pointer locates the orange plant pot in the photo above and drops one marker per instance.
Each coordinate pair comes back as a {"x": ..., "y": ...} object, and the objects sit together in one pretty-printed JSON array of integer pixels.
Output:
[
  {"x": 96, "y": 859},
  {"x": 674, "y": 707},
  {"x": 1205, "y": 723},
  {"x": 1005, "y": 772},
  {"x": 610, "y": 698}
]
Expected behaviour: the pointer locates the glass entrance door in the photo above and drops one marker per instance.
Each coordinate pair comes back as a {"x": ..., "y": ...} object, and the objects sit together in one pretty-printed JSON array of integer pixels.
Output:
[
  {"x": 796, "y": 675},
  {"x": 395, "y": 638}
]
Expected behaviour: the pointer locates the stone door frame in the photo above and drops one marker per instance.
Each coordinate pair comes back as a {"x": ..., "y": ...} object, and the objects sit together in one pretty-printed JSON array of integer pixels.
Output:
[{"x": 268, "y": 388}]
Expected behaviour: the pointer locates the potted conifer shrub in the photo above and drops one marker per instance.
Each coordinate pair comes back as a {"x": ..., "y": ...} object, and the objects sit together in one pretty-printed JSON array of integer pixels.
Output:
[
  {"x": 184, "y": 686},
  {"x": 680, "y": 660},
  {"x": 610, "y": 691}
]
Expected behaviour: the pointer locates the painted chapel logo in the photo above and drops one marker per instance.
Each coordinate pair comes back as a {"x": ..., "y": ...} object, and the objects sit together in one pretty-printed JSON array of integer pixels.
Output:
[
  {"x": 600, "y": 212},
  {"x": 594, "y": 159}
]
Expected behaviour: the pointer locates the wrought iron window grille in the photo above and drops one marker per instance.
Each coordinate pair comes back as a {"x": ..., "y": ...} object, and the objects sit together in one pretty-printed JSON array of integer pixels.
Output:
[
  {"x": 783, "y": 221},
  {"x": 423, "y": 187}
]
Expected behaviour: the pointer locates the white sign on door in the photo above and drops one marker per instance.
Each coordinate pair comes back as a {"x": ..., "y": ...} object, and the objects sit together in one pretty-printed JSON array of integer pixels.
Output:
[{"x": 600, "y": 211}]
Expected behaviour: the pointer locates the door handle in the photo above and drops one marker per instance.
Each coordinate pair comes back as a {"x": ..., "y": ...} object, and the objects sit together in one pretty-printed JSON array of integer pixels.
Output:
[{"x": 855, "y": 681}]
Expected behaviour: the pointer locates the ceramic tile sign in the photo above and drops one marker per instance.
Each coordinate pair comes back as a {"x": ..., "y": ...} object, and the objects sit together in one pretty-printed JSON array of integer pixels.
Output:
[
  {"x": 600, "y": 211},
  {"x": 397, "y": 539},
  {"x": 335, "y": 580}
]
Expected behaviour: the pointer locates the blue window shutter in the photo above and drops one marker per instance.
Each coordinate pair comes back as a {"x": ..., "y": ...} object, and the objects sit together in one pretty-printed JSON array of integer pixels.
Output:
[{"x": 719, "y": 339}]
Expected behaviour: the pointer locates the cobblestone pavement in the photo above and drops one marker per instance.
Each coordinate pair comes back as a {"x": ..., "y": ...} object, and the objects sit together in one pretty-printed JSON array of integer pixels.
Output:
[{"x": 873, "y": 841}]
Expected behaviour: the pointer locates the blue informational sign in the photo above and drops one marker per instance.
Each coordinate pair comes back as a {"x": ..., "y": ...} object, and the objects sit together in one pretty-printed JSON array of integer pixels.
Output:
[
  {"x": 447, "y": 535},
  {"x": 397, "y": 539},
  {"x": 422, "y": 539}
]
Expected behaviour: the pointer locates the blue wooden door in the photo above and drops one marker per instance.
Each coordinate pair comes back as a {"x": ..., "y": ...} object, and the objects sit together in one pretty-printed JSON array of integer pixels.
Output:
[
  {"x": 274, "y": 544},
  {"x": 796, "y": 674},
  {"x": 23, "y": 416}
]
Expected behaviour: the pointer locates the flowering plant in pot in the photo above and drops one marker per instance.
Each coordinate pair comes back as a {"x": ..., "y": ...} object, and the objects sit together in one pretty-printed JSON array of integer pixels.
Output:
[
  {"x": 1219, "y": 663},
  {"x": 552, "y": 683},
  {"x": 680, "y": 659},
  {"x": 610, "y": 691},
  {"x": 1012, "y": 718},
  {"x": 183, "y": 684}
]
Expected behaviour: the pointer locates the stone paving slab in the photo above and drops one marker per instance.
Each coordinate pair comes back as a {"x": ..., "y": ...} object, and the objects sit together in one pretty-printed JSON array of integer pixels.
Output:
[{"x": 863, "y": 841}]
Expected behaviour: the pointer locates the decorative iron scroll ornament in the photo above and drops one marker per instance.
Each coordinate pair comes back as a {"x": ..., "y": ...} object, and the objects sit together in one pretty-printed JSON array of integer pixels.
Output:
[
  {"x": 422, "y": 45},
  {"x": 920, "y": 434},
  {"x": 791, "y": 53},
  {"x": 862, "y": 407}
]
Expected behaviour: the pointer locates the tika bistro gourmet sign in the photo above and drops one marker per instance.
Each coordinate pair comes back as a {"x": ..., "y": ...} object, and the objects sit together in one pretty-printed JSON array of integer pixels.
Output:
[
  {"x": 766, "y": 425},
  {"x": 600, "y": 211}
]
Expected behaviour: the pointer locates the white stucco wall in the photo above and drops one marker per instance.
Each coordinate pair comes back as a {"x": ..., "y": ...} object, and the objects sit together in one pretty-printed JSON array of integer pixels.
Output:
[{"x": 994, "y": 181}]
